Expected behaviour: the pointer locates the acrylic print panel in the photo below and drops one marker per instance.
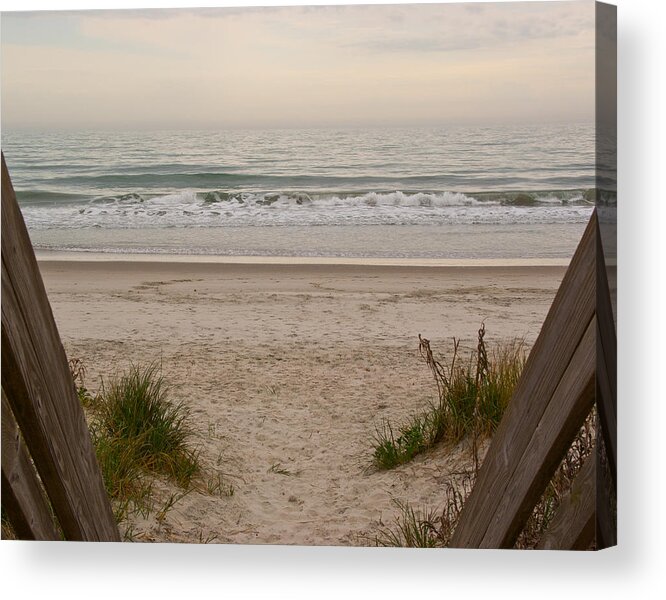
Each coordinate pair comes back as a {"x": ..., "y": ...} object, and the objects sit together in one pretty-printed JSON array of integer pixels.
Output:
[{"x": 298, "y": 258}]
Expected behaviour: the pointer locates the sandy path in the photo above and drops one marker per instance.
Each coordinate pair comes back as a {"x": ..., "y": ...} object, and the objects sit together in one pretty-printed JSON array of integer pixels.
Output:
[{"x": 287, "y": 370}]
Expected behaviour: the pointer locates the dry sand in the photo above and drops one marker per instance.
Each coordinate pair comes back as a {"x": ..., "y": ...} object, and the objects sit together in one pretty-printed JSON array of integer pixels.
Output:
[{"x": 287, "y": 370}]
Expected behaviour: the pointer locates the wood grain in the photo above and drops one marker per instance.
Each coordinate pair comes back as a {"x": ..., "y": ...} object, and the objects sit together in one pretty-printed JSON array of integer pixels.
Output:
[
  {"x": 573, "y": 526},
  {"x": 606, "y": 364},
  {"x": 40, "y": 389},
  {"x": 22, "y": 496}
]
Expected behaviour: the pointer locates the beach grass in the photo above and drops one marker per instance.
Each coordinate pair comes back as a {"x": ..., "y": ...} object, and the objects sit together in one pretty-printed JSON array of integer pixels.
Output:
[
  {"x": 137, "y": 435},
  {"x": 413, "y": 528},
  {"x": 472, "y": 397},
  {"x": 6, "y": 529},
  {"x": 134, "y": 411},
  {"x": 428, "y": 527}
]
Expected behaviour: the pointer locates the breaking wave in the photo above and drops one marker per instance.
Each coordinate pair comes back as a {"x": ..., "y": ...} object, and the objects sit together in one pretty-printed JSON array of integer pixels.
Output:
[{"x": 220, "y": 208}]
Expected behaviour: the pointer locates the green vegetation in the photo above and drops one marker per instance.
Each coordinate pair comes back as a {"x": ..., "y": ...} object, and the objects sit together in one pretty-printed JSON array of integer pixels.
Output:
[
  {"x": 427, "y": 527},
  {"x": 135, "y": 413},
  {"x": 421, "y": 432},
  {"x": 412, "y": 528},
  {"x": 138, "y": 434},
  {"x": 432, "y": 528},
  {"x": 472, "y": 398}
]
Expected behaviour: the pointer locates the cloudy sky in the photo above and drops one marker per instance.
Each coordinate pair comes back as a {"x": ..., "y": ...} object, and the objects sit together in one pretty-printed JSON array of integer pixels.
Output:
[{"x": 300, "y": 66}]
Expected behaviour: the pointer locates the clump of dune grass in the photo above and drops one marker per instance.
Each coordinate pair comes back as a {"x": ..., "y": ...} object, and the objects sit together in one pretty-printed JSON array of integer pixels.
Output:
[
  {"x": 141, "y": 426},
  {"x": 412, "y": 528},
  {"x": 420, "y": 432},
  {"x": 124, "y": 480},
  {"x": 472, "y": 397},
  {"x": 137, "y": 434},
  {"x": 427, "y": 527}
]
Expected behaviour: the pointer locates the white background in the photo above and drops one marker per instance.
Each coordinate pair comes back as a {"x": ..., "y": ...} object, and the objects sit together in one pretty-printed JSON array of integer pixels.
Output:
[{"x": 635, "y": 568}]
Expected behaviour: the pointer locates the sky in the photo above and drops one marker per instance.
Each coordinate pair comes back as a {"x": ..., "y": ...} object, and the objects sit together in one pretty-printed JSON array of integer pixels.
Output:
[{"x": 441, "y": 64}]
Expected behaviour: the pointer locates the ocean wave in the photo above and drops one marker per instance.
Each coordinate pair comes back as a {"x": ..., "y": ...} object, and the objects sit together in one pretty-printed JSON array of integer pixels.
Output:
[
  {"x": 332, "y": 198},
  {"x": 220, "y": 208}
]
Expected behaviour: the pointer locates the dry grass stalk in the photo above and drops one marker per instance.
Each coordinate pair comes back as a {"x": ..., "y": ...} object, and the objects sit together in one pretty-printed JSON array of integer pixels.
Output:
[{"x": 472, "y": 398}]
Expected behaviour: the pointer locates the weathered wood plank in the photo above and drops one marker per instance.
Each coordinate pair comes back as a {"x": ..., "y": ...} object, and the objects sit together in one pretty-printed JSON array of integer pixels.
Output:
[
  {"x": 606, "y": 483},
  {"x": 566, "y": 323},
  {"x": 22, "y": 495},
  {"x": 573, "y": 526},
  {"x": 606, "y": 521},
  {"x": 40, "y": 390},
  {"x": 606, "y": 364},
  {"x": 570, "y": 404}
]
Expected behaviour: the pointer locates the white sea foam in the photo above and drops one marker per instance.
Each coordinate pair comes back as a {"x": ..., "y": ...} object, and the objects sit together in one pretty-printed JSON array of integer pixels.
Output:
[{"x": 190, "y": 209}]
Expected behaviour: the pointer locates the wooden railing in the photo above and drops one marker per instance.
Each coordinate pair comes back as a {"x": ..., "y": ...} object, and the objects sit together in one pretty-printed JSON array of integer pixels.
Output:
[
  {"x": 571, "y": 365},
  {"x": 51, "y": 483}
]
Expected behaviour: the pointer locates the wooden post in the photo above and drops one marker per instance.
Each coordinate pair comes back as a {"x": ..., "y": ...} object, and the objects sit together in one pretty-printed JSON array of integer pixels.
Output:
[
  {"x": 41, "y": 392},
  {"x": 22, "y": 495}
]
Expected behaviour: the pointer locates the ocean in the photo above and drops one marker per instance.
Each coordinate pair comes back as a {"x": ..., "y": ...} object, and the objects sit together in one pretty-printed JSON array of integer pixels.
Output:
[{"x": 401, "y": 193}]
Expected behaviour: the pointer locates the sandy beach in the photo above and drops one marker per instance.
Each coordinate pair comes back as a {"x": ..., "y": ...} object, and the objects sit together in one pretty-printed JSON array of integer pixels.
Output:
[{"x": 287, "y": 369}]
